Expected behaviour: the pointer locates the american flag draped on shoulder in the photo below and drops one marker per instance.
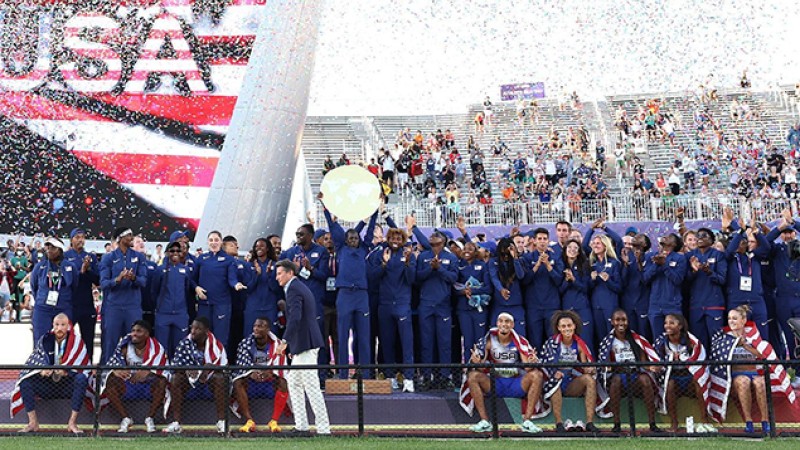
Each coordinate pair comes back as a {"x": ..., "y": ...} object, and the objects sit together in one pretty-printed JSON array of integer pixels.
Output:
[
  {"x": 605, "y": 354},
  {"x": 722, "y": 347},
  {"x": 525, "y": 350},
  {"x": 699, "y": 372},
  {"x": 74, "y": 355},
  {"x": 154, "y": 355},
  {"x": 245, "y": 356},
  {"x": 213, "y": 354},
  {"x": 246, "y": 353},
  {"x": 551, "y": 351}
]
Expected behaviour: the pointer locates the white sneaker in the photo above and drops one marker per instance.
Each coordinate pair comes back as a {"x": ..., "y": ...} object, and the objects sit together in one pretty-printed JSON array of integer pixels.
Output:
[
  {"x": 579, "y": 426},
  {"x": 408, "y": 385},
  {"x": 395, "y": 384},
  {"x": 150, "y": 424},
  {"x": 220, "y": 426},
  {"x": 174, "y": 427},
  {"x": 796, "y": 382},
  {"x": 125, "y": 425},
  {"x": 568, "y": 425},
  {"x": 481, "y": 427},
  {"x": 705, "y": 428},
  {"x": 530, "y": 427}
]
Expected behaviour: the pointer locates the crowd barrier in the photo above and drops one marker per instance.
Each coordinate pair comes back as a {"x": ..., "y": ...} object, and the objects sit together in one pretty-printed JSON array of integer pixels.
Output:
[{"x": 366, "y": 405}]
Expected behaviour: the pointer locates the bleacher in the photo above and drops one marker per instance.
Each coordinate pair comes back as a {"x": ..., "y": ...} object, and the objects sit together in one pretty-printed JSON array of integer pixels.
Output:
[{"x": 325, "y": 136}]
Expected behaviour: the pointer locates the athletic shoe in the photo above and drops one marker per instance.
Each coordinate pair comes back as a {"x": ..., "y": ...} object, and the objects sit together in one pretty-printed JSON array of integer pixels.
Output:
[
  {"x": 568, "y": 425},
  {"x": 617, "y": 428},
  {"x": 248, "y": 427},
  {"x": 150, "y": 424},
  {"x": 579, "y": 426},
  {"x": 560, "y": 428},
  {"x": 395, "y": 384},
  {"x": 748, "y": 427},
  {"x": 481, "y": 427},
  {"x": 591, "y": 428},
  {"x": 408, "y": 385},
  {"x": 765, "y": 427},
  {"x": 530, "y": 427},
  {"x": 274, "y": 427},
  {"x": 655, "y": 429},
  {"x": 174, "y": 427},
  {"x": 220, "y": 426},
  {"x": 124, "y": 425}
]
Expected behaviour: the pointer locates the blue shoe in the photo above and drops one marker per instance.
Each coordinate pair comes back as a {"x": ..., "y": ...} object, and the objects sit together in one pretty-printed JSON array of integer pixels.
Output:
[
  {"x": 748, "y": 427},
  {"x": 765, "y": 427}
]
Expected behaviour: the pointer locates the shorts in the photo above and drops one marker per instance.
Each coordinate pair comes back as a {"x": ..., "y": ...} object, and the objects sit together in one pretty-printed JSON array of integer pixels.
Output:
[
  {"x": 751, "y": 374},
  {"x": 627, "y": 379},
  {"x": 509, "y": 387},
  {"x": 566, "y": 380},
  {"x": 683, "y": 382}
]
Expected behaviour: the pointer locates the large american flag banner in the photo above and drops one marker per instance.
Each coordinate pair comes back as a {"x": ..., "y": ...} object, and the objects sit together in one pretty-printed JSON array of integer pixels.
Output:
[
  {"x": 74, "y": 355},
  {"x": 142, "y": 92},
  {"x": 605, "y": 353},
  {"x": 525, "y": 350},
  {"x": 722, "y": 347},
  {"x": 700, "y": 372},
  {"x": 186, "y": 354}
]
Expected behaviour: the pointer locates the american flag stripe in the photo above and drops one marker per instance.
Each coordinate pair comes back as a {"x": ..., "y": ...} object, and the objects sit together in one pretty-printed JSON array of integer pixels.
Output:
[
  {"x": 465, "y": 397},
  {"x": 722, "y": 350},
  {"x": 225, "y": 46},
  {"x": 213, "y": 354}
]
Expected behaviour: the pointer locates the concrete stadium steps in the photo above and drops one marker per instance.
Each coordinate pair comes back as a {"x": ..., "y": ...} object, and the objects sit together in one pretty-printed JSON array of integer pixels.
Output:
[{"x": 327, "y": 136}]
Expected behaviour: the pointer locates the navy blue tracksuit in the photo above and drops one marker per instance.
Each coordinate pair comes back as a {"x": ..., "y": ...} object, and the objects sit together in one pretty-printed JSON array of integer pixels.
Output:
[
  {"x": 542, "y": 298},
  {"x": 173, "y": 286},
  {"x": 122, "y": 303},
  {"x": 707, "y": 301},
  {"x": 84, "y": 312},
  {"x": 435, "y": 313},
  {"x": 216, "y": 273},
  {"x": 665, "y": 283},
  {"x": 474, "y": 323}
]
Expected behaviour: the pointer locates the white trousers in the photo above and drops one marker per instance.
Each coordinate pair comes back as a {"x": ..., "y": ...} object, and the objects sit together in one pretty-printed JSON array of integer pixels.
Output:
[{"x": 304, "y": 383}]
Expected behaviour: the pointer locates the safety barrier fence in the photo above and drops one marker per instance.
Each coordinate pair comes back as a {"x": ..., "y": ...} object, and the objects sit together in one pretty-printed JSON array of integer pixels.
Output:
[{"x": 368, "y": 402}]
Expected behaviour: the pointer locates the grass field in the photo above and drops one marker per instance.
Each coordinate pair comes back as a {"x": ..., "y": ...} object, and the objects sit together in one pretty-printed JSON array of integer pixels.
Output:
[{"x": 177, "y": 443}]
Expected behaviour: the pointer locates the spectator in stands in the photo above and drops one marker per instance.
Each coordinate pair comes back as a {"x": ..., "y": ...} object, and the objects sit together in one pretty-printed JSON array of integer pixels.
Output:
[
  {"x": 137, "y": 349},
  {"x": 374, "y": 168},
  {"x": 502, "y": 346},
  {"x": 343, "y": 160},
  {"x": 327, "y": 165},
  {"x": 387, "y": 168},
  {"x": 479, "y": 123},
  {"x": 7, "y": 273},
  {"x": 260, "y": 349},
  {"x": 49, "y": 383},
  {"x": 200, "y": 348}
]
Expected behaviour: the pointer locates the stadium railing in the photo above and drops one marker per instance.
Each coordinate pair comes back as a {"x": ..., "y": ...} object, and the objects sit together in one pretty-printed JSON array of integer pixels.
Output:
[
  {"x": 617, "y": 208},
  {"x": 364, "y": 404}
]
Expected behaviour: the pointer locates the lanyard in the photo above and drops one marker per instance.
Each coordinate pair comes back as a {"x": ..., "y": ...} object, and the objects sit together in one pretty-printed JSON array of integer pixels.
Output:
[
  {"x": 50, "y": 277},
  {"x": 739, "y": 263},
  {"x": 332, "y": 264}
]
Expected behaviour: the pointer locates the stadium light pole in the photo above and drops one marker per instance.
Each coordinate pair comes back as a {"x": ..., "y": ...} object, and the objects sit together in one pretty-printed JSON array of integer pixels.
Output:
[{"x": 252, "y": 185}]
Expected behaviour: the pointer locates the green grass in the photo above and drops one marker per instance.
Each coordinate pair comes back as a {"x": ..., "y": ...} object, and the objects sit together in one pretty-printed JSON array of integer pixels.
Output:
[{"x": 177, "y": 443}]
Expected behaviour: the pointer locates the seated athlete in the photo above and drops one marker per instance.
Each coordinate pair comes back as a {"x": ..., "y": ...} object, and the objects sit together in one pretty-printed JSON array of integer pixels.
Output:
[
  {"x": 741, "y": 342},
  {"x": 501, "y": 346},
  {"x": 261, "y": 348},
  {"x": 678, "y": 344},
  {"x": 199, "y": 348},
  {"x": 137, "y": 349},
  {"x": 60, "y": 346},
  {"x": 568, "y": 381},
  {"x": 623, "y": 345}
]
